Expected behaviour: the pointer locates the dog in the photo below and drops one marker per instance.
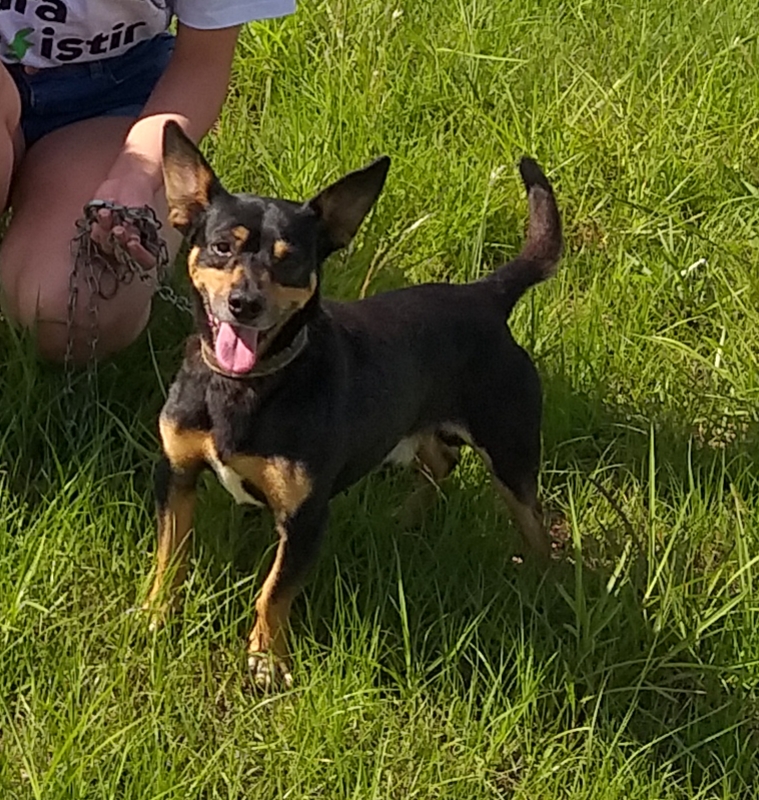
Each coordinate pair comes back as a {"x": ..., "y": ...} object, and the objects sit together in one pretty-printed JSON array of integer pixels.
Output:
[{"x": 291, "y": 398}]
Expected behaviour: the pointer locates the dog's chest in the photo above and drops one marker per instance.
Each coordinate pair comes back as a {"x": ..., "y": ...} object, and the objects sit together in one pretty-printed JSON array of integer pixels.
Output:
[
  {"x": 233, "y": 482},
  {"x": 404, "y": 452}
]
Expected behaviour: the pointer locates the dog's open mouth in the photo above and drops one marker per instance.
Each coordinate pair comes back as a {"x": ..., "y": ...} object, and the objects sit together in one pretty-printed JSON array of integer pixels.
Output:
[{"x": 235, "y": 347}]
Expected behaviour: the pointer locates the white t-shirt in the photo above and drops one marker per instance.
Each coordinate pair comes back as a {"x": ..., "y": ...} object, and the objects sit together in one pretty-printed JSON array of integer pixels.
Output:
[{"x": 46, "y": 33}]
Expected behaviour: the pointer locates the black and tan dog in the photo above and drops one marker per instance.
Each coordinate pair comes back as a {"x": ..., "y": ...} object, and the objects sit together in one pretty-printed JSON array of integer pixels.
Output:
[{"x": 290, "y": 398}]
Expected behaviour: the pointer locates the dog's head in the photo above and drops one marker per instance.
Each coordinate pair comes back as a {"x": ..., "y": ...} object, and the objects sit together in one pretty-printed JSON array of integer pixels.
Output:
[{"x": 255, "y": 261}]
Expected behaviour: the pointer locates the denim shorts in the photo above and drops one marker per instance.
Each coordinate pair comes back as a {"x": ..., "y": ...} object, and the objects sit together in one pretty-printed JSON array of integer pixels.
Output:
[{"x": 111, "y": 87}]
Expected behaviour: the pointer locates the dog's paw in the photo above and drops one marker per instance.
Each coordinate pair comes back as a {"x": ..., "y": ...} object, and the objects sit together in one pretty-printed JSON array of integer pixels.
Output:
[
  {"x": 156, "y": 615},
  {"x": 268, "y": 672}
]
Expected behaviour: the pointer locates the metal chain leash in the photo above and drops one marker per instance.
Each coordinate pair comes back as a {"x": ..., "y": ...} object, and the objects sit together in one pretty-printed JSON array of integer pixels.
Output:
[{"x": 103, "y": 273}]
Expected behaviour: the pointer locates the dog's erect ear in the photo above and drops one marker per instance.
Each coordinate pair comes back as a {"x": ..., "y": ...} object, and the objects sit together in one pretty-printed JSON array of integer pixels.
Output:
[
  {"x": 189, "y": 180},
  {"x": 343, "y": 206}
]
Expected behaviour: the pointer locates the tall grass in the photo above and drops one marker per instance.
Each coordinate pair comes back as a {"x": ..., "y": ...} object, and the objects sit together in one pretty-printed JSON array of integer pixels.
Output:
[{"x": 430, "y": 664}]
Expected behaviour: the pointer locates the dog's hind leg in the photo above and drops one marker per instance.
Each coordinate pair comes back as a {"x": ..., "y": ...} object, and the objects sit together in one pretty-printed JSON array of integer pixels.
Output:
[
  {"x": 522, "y": 500},
  {"x": 509, "y": 443},
  {"x": 516, "y": 479},
  {"x": 517, "y": 482},
  {"x": 436, "y": 457}
]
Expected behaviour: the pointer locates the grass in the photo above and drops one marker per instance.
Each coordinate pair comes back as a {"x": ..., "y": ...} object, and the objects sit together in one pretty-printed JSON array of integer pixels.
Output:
[{"x": 429, "y": 664}]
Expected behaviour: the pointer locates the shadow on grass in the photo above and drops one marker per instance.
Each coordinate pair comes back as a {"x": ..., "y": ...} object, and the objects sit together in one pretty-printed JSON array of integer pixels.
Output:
[
  {"x": 640, "y": 640},
  {"x": 641, "y": 634},
  {"x": 54, "y": 420},
  {"x": 627, "y": 640}
]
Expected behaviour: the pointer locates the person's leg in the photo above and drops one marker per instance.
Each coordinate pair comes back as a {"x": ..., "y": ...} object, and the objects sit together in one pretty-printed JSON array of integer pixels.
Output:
[
  {"x": 11, "y": 138},
  {"x": 57, "y": 176}
]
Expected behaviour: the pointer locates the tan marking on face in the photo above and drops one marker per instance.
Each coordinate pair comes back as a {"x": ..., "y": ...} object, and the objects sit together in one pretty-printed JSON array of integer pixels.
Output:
[
  {"x": 285, "y": 484},
  {"x": 288, "y": 299},
  {"x": 192, "y": 257},
  {"x": 185, "y": 447},
  {"x": 210, "y": 281},
  {"x": 240, "y": 234},
  {"x": 281, "y": 249}
]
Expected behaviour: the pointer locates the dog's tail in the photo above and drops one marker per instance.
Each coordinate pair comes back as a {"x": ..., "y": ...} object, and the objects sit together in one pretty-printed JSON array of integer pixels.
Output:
[{"x": 541, "y": 251}]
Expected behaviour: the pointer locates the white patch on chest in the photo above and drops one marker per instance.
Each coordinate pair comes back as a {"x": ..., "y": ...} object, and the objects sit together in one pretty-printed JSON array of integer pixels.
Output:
[
  {"x": 403, "y": 453},
  {"x": 232, "y": 482}
]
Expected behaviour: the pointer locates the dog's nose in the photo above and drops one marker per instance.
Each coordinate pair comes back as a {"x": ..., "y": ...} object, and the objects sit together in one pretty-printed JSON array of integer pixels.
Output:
[{"x": 244, "y": 307}]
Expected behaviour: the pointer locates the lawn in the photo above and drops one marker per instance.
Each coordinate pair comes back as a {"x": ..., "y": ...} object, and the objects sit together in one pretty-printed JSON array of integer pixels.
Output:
[{"x": 430, "y": 663}]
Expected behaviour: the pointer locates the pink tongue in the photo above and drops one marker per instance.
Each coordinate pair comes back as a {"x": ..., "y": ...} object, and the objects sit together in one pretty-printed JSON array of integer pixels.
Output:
[{"x": 235, "y": 349}]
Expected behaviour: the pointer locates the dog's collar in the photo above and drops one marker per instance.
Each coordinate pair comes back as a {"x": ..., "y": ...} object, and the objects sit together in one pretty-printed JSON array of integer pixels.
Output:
[{"x": 268, "y": 366}]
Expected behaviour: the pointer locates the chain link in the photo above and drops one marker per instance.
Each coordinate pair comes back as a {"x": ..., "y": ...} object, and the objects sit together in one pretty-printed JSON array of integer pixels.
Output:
[{"x": 102, "y": 273}]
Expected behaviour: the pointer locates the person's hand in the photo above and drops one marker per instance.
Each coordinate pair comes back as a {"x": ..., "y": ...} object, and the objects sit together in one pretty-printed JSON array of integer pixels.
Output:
[{"x": 134, "y": 191}]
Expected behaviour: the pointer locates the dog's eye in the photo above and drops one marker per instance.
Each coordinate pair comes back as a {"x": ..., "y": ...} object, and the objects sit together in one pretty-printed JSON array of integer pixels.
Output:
[{"x": 222, "y": 249}]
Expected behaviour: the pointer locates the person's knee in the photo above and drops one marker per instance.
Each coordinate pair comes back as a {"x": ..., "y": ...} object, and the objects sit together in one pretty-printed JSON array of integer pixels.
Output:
[
  {"x": 98, "y": 332},
  {"x": 42, "y": 308},
  {"x": 39, "y": 306},
  {"x": 73, "y": 326}
]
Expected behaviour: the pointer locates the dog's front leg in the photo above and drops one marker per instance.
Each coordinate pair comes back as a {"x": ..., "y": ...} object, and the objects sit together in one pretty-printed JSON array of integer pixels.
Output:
[
  {"x": 175, "y": 491},
  {"x": 299, "y": 538}
]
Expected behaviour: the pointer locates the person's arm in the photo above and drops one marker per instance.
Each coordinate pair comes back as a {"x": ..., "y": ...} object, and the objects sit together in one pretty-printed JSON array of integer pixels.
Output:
[{"x": 191, "y": 91}]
